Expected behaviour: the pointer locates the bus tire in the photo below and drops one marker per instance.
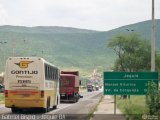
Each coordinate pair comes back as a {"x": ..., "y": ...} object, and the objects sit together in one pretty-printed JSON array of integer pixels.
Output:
[
  {"x": 55, "y": 107},
  {"x": 14, "y": 110},
  {"x": 47, "y": 109},
  {"x": 48, "y": 105},
  {"x": 44, "y": 110}
]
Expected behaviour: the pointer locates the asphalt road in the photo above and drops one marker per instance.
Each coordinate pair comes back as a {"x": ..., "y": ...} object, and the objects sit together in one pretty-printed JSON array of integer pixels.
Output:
[
  {"x": 64, "y": 111},
  {"x": 82, "y": 106}
]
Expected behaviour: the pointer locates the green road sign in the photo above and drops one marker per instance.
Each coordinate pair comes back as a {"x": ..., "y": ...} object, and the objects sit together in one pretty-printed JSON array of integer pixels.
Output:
[{"x": 128, "y": 83}]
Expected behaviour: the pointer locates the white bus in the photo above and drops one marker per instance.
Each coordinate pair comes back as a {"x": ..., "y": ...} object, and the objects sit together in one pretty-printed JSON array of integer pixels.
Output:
[{"x": 31, "y": 82}]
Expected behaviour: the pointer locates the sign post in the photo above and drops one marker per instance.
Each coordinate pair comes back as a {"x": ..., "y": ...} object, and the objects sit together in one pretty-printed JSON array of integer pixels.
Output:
[
  {"x": 115, "y": 104},
  {"x": 128, "y": 83}
]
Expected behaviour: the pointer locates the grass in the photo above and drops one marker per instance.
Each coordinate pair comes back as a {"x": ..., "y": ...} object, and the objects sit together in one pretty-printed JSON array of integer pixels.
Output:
[
  {"x": 91, "y": 113},
  {"x": 134, "y": 107},
  {"x": 1, "y": 98}
]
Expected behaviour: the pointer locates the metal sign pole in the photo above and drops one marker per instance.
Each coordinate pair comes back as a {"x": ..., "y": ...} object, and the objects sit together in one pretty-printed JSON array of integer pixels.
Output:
[
  {"x": 115, "y": 104},
  {"x": 153, "y": 39}
]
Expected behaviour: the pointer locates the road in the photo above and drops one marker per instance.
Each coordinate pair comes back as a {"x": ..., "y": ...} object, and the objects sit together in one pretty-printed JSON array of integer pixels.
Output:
[{"x": 71, "y": 111}]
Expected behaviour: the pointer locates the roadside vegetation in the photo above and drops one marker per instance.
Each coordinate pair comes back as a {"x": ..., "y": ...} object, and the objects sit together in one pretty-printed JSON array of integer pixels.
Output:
[
  {"x": 134, "y": 107},
  {"x": 91, "y": 113},
  {"x": 153, "y": 99},
  {"x": 1, "y": 98},
  {"x": 134, "y": 55}
]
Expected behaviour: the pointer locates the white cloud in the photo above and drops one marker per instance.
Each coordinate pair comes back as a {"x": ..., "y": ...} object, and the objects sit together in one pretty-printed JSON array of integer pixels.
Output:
[
  {"x": 90, "y": 14},
  {"x": 3, "y": 15}
]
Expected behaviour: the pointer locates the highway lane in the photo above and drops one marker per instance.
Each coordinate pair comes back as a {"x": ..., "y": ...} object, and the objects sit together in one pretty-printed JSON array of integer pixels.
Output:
[
  {"x": 77, "y": 110},
  {"x": 82, "y": 109},
  {"x": 4, "y": 110},
  {"x": 84, "y": 106}
]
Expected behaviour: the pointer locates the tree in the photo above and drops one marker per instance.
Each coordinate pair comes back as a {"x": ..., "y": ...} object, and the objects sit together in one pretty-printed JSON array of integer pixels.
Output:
[{"x": 133, "y": 52}]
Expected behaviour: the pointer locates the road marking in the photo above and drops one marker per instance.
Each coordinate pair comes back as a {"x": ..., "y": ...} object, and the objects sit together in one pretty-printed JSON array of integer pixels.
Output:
[
  {"x": 59, "y": 108},
  {"x": 91, "y": 95}
]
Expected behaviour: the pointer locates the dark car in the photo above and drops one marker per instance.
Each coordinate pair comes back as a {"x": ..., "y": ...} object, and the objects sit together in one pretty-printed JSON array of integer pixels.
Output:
[{"x": 1, "y": 88}]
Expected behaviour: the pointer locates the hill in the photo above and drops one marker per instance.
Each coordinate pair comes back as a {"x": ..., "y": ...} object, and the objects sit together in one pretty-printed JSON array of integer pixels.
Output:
[
  {"x": 43, "y": 29},
  {"x": 66, "y": 47}
]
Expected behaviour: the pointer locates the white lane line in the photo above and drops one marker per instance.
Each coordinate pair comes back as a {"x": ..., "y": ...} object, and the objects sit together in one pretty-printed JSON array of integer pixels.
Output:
[
  {"x": 91, "y": 95},
  {"x": 60, "y": 108}
]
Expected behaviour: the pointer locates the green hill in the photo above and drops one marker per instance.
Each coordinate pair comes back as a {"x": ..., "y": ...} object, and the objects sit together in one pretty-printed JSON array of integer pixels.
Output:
[{"x": 66, "y": 47}]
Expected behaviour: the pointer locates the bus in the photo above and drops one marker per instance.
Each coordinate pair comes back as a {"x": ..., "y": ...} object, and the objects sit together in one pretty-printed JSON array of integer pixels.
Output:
[{"x": 31, "y": 82}]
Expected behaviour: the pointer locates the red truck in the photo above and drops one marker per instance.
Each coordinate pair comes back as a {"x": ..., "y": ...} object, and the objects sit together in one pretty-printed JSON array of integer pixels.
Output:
[{"x": 69, "y": 86}]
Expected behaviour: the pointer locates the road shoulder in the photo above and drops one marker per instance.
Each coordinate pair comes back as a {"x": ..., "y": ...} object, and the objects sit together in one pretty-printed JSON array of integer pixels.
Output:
[{"x": 105, "y": 110}]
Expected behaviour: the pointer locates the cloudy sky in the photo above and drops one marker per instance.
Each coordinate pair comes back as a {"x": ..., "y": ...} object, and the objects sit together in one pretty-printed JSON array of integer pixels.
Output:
[{"x": 88, "y": 14}]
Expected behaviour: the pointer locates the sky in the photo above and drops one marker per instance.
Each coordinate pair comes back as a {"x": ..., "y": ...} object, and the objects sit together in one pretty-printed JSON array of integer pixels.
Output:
[{"x": 99, "y": 15}]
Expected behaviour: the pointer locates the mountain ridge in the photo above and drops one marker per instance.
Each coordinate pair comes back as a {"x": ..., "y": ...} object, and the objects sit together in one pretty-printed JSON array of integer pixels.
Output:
[
  {"x": 44, "y": 29},
  {"x": 67, "y": 47}
]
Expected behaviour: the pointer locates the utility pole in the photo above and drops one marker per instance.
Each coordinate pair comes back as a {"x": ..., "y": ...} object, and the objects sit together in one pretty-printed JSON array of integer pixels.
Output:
[
  {"x": 3, "y": 52},
  {"x": 153, "y": 40}
]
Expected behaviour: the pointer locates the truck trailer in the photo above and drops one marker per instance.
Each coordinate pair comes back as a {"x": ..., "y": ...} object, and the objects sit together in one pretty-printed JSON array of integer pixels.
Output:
[{"x": 69, "y": 86}]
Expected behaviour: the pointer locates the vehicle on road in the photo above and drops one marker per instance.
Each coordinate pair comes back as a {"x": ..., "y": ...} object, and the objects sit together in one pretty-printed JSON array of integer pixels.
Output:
[
  {"x": 1, "y": 88},
  {"x": 31, "y": 82},
  {"x": 97, "y": 87},
  {"x": 69, "y": 86},
  {"x": 90, "y": 87}
]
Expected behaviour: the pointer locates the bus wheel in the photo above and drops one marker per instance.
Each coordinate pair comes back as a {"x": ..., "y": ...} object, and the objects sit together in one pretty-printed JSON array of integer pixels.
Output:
[
  {"x": 47, "y": 109},
  {"x": 44, "y": 110},
  {"x": 14, "y": 110},
  {"x": 55, "y": 107},
  {"x": 48, "y": 105}
]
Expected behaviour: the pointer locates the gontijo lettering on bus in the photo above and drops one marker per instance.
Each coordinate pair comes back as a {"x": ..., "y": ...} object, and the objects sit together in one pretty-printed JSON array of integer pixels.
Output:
[{"x": 24, "y": 72}]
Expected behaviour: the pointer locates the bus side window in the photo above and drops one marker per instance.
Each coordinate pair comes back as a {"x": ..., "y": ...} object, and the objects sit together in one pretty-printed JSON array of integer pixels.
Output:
[
  {"x": 45, "y": 71},
  {"x": 51, "y": 73},
  {"x": 56, "y": 74},
  {"x": 48, "y": 73}
]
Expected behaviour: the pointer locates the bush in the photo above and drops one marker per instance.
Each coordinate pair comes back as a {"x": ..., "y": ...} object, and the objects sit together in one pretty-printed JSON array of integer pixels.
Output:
[
  {"x": 134, "y": 107},
  {"x": 153, "y": 99}
]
